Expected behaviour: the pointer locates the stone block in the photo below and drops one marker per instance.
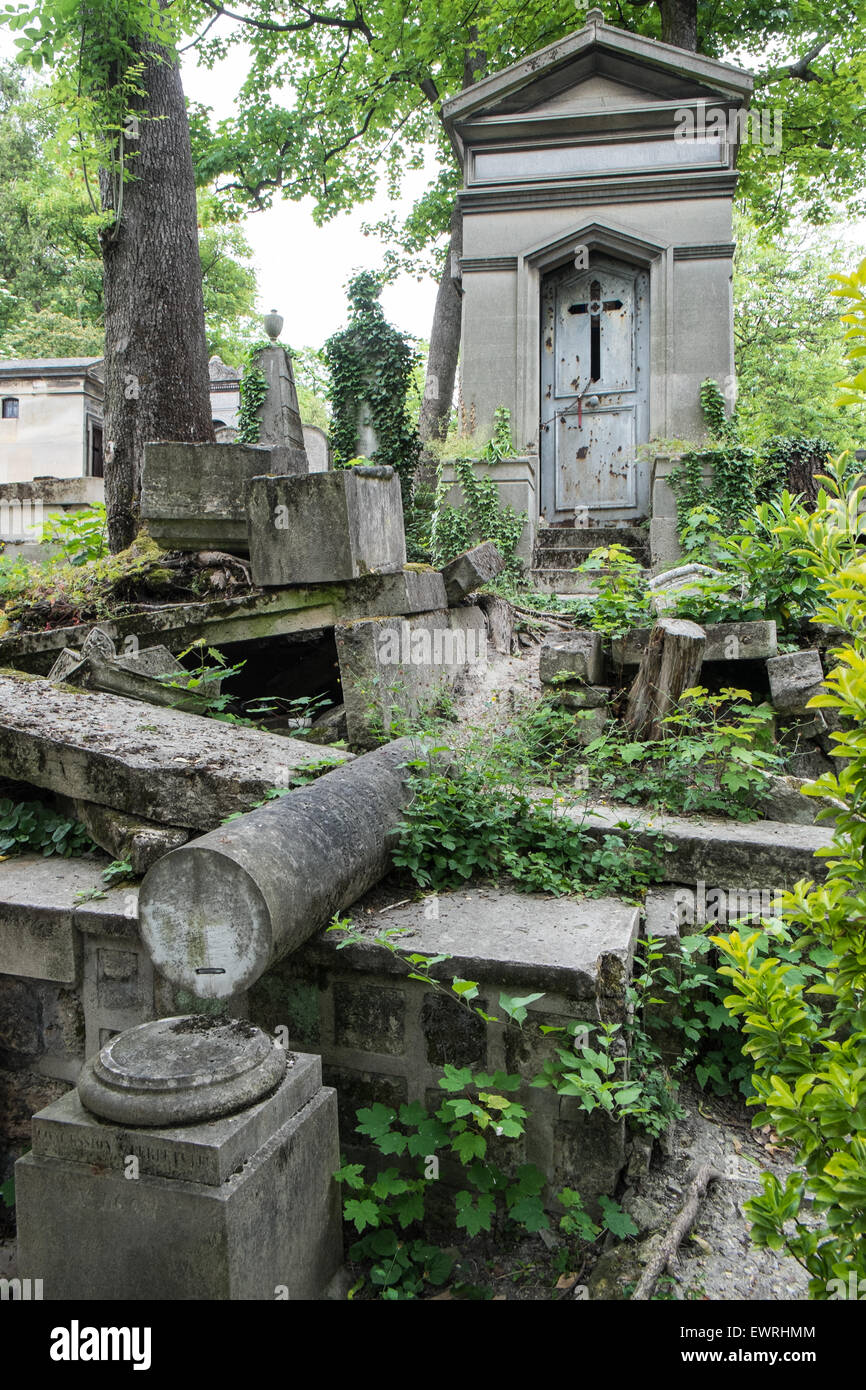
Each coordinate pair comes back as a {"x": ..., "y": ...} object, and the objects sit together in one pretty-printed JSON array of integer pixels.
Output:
[
  {"x": 139, "y": 841},
  {"x": 325, "y": 527},
  {"x": 370, "y": 1017},
  {"x": 716, "y": 850},
  {"x": 391, "y": 668},
  {"x": 159, "y": 764},
  {"x": 575, "y": 656},
  {"x": 117, "y": 991},
  {"x": 192, "y": 495},
  {"x": 794, "y": 678},
  {"x": 582, "y": 696},
  {"x": 452, "y": 1034},
  {"x": 237, "y": 1208},
  {"x": 469, "y": 571},
  {"x": 725, "y": 642}
]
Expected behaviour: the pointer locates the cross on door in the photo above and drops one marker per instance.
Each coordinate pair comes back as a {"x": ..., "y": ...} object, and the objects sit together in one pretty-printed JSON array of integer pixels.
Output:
[{"x": 594, "y": 308}]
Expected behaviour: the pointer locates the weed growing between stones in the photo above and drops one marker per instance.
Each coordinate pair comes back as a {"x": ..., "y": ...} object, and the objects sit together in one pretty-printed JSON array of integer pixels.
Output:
[
  {"x": 473, "y": 821},
  {"x": 717, "y": 756},
  {"x": 402, "y": 1216},
  {"x": 30, "y": 827}
]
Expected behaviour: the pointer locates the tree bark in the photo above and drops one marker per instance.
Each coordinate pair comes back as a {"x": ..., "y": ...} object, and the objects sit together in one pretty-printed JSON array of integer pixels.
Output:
[
  {"x": 680, "y": 23},
  {"x": 444, "y": 344},
  {"x": 156, "y": 369},
  {"x": 670, "y": 665}
]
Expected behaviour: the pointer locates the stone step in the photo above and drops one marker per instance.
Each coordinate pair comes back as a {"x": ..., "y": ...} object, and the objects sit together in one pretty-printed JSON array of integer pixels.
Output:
[
  {"x": 713, "y": 850},
  {"x": 568, "y": 581},
  {"x": 556, "y": 558},
  {"x": 566, "y": 537}
]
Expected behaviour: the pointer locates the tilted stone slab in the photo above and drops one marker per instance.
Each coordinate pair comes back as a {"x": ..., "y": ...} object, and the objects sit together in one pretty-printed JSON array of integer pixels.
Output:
[
  {"x": 325, "y": 527},
  {"x": 467, "y": 572},
  {"x": 716, "y": 850},
  {"x": 271, "y": 614},
  {"x": 160, "y": 764},
  {"x": 572, "y": 656},
  {"x": 725, "y": 642},
  {"x": 192, "y": 495}
]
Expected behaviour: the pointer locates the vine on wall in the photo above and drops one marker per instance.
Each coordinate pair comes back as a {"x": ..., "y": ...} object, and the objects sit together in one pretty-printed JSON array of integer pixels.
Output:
[
  {"x": 372, "y": 363},
  {"x": 253, "y": 389},
  {"x": 731, "y": 492}
]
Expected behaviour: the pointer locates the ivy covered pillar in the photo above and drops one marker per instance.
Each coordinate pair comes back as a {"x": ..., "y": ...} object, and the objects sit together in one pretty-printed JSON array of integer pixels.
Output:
[{"x": 372, "y": 370}]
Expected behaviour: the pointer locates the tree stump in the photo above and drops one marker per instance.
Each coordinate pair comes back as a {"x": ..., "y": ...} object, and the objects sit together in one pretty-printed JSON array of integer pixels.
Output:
[{"x": 670, "y": 665}]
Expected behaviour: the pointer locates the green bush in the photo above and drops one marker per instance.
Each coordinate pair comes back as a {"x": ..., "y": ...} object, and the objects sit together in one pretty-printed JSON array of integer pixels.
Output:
[{"x": 809, "y": 1069}]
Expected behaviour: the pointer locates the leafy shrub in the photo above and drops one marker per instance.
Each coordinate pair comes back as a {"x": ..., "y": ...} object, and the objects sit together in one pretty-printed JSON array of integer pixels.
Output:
[
  {"x": 81, "y": 535},
  {"x": 716, "y": 756},
  {"x": 620, "y": 596},
  {"x": 809, "y": 1071},
  {"x": 31, "y": 827},
  {"x": 474, "y": 820}
]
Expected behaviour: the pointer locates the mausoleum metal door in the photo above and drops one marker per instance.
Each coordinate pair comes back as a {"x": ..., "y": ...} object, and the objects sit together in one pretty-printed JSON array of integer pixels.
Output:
[{"x": 594, "y": 393}]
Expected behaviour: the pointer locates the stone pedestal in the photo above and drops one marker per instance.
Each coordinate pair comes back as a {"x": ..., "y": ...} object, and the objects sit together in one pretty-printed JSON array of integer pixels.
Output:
[
  {"x": 279, "y": 414},
  {"x": 325, "y": 527},
  {"x": 234, "y": 1206}
]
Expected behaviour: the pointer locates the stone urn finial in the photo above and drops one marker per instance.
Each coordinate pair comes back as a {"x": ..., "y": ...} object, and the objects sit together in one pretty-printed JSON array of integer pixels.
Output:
[{"x": 273, "y": 325}]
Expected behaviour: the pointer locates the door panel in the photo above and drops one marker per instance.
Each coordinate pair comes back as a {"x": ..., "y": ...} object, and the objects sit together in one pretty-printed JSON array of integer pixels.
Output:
[
  {"x": 593, "y": 462},
  {"x": 595, "y": 392}
]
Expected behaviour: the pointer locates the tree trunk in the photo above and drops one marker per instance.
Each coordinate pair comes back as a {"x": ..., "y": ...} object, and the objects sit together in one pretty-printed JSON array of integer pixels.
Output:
[
  {"x": 670, "y": 665},
  {"x": 444, "y": 344},
  {"x": 156, "y": 371},
  {"x": 680, "y": 23}
]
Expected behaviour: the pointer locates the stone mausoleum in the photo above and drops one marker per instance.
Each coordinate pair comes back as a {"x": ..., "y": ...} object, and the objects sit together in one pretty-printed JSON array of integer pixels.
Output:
[{"x": 599, "y": 175}]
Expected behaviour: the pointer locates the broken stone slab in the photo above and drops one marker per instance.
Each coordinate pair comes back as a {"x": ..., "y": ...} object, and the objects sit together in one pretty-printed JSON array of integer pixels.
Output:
[
  {"x": 192, "y": 495},
  {"x": 794, "y": 678},
  {"x": 97, "y": 667},
  {"x": 665, "y": 590},
  {"x": 786, "y": 802},
  {"x": 725, "y": 642},
  {"x": 158, "y": 764},
  {"x": 469, "y": 571},
  {"x": 71, "y": 664},
  {"x": 140, "y": 842},
  {"x": 392, "y": 668},
  {"x": 217, "y": 912},
  {"x": 713, "y": 850},
  {"x": 582, "y": 948},
  {"x": 245, "y": 618},
  {"x": 325, "y": 527},
  {"x": 575, "y": 656}
]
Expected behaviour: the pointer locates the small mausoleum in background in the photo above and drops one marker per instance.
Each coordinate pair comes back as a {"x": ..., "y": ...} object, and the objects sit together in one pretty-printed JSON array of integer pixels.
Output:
[{"x": 599, "y": 175}]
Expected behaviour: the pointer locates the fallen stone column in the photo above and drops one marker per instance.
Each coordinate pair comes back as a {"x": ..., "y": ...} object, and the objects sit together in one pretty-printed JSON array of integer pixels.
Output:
[{"x": 217, "y": 912}]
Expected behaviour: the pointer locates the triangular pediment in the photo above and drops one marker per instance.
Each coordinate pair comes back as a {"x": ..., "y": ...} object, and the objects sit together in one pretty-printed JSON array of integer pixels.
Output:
[{"x": 599, "y": 68}]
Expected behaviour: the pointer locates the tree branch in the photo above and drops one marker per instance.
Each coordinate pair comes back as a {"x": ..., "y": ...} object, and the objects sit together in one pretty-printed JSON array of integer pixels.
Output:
[{"x": 313, "y": 18}]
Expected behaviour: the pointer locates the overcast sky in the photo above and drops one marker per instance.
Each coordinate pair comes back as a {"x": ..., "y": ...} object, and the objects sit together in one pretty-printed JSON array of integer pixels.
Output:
[{"x": 302, "y": 269}]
